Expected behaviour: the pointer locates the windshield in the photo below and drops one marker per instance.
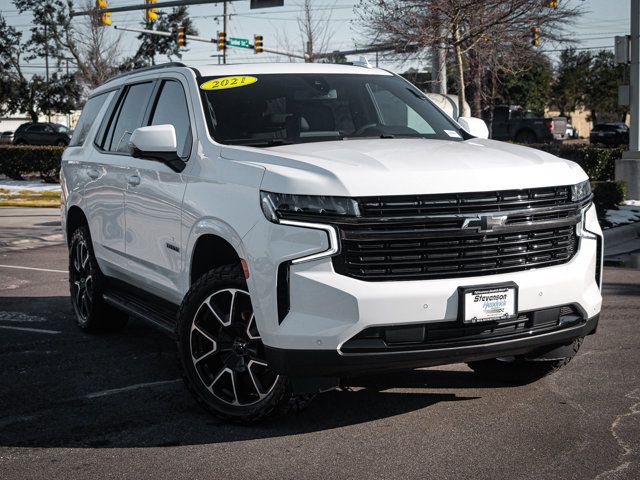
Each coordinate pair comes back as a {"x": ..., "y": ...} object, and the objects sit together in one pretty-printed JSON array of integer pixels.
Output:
[
  {"x": 61, "y": 128},
  {"x": 267, "y": 110}
]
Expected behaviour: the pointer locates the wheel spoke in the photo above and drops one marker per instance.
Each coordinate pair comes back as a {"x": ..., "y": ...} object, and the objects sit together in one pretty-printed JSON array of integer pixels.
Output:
[
  {"x": 228, "y": 371},
  {"x": 253, "y": 378},
  {"x": 203, "y": 333},
  {"x": 251, "y": 323},
  {"x": 86, "y": 258},
  {"x": 215, "y": 314}
]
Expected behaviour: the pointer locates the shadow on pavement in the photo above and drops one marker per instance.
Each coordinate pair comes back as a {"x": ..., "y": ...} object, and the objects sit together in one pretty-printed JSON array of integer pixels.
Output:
[{"x": 50, "y": 383}]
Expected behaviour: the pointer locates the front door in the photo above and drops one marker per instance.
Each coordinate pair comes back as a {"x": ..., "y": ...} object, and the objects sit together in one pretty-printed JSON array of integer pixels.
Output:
[{"x": 153, "y": 200}]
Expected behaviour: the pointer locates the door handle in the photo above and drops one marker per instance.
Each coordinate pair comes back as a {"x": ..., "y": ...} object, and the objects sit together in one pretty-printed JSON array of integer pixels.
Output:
[
  {"x": 133, "y": 180},
  {"x": 93, "y": 173}
]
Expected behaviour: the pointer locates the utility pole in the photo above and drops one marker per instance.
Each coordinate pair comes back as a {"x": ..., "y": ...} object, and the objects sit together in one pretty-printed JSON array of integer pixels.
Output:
[
  {"x": 628, "y": 167},
  {"x": 225, "y": 24}
]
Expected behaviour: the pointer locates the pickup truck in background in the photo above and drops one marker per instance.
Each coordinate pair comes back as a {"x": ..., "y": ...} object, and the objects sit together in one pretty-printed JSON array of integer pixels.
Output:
[{"x": 522, "y": 126}]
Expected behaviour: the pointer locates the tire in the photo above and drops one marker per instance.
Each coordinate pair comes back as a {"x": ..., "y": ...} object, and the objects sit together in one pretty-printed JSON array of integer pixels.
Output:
[
  {"x": 61, "y": 143},
  {"x": 520, "y": 370},
  {"x": 526, "y": 136},
  {"x": 222, "y": 356},
  {"x": 86, "y": 285}
]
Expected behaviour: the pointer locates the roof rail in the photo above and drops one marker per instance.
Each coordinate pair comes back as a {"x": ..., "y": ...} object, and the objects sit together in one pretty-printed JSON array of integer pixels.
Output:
[{"x": 146, "y": 69}]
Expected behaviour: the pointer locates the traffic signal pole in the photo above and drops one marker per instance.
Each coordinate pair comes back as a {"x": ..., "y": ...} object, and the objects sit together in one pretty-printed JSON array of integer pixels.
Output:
[{"x": 628, "y": 168}]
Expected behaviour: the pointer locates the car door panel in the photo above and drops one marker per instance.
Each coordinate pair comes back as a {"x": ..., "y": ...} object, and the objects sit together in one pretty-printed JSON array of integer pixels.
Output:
[
  {"x": 108, "y": 176},
  {"x": 153, "y": 201}
]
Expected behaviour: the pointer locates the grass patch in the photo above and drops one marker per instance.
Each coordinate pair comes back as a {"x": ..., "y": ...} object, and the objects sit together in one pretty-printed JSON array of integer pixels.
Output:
[
  {"x": 29, "y": 198},
  {"x": 31, "y": 202}
]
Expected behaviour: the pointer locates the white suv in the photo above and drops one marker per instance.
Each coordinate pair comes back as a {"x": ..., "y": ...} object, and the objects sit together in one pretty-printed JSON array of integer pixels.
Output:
[{"x": 296, "y": 224}]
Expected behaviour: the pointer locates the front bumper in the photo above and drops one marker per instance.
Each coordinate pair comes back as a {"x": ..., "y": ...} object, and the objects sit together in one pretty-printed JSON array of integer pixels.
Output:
[
  {"x": 327, "y": 309},
  {"x": 318, "y": 363}
]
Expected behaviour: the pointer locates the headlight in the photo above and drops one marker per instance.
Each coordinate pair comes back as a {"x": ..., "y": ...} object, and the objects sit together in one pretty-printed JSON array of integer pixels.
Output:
[
  {"x": 284, "y": 205},
  {"x": 580, "y": 191}
]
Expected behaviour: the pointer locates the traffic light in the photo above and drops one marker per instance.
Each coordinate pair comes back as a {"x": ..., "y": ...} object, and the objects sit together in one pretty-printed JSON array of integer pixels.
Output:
[
  {"x": 222, "y": 41},
  {"x": 182, "y": 37},
  {"x": 550, "y": 3},
  {"x": 150, "y": 14},
  {"x": 105, "y": 18},
  {"x": 535, "y": 36},
  {"x": 257, "y": 44}
]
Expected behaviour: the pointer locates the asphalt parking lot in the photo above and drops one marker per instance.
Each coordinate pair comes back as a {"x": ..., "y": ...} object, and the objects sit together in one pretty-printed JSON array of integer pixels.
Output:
[{"x": 77, "y": 406}]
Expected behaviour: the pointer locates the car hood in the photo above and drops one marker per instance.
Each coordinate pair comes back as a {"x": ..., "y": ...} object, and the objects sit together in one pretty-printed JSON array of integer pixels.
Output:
[{"x": 405, "y": 166}]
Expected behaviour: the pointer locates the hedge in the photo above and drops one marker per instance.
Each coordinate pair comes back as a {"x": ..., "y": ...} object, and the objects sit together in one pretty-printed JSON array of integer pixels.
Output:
[
  {"x": 20, "y": 161},
  {"x": 598, "y": 162}
]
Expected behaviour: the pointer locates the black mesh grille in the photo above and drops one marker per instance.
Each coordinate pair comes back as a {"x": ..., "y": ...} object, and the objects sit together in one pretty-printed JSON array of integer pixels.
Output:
[{"x": 456, "y": 334}]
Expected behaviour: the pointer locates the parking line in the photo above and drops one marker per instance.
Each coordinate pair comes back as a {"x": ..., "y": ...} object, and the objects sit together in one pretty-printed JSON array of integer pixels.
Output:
[
  {"x": 25, "y": 329},
  {"x": 137, "y": 386},
  {"x": 33, "y": 268}
]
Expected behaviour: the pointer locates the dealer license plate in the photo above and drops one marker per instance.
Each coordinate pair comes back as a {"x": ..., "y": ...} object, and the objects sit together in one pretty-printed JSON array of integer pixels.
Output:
[{"x": 487, "y": 304}]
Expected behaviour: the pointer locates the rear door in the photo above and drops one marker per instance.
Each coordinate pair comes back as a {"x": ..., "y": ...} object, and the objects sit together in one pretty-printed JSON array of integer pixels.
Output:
[
  {"x": 153, "y": 202},
  {"x": 110, "y": 173}
]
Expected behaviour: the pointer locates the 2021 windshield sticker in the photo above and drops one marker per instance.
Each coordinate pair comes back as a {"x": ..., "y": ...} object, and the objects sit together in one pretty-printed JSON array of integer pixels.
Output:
[{"x": 223, "y": 83}]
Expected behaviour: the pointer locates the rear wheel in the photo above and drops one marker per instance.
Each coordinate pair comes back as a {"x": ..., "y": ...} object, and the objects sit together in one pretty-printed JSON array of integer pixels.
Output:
[
  {"x": 222, "y": 354},
  {"x": 521, "y": 369},
  {"x": 86, "y": 284}
]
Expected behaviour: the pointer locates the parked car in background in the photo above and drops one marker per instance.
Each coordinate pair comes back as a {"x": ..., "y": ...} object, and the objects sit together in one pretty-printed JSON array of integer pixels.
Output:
[
  {"x": 514, "y": 123},
  {"x": 6, "y": 137},
  {"x": 42, "y": 134},
  {"x": 571, "y": 132},
  {"x": 610, "y": 134}
]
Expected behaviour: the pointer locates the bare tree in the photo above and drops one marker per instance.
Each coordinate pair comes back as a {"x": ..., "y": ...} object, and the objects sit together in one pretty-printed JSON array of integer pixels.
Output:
[
  {"x": 91, "y": 49},
  {"x": 463, "y": 25}
]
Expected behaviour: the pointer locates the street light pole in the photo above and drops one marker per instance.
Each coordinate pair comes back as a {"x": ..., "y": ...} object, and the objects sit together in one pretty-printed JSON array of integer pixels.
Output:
[{"x": 628, "y": 168}]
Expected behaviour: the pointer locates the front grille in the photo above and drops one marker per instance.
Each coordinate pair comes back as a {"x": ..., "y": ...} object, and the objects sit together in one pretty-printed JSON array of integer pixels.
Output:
[
  {"x": 451, "y": 334},
  {"x": 458, "y": 203},
  {"x": 455, "y": 256},
  {"x": 430, "y": 236}
]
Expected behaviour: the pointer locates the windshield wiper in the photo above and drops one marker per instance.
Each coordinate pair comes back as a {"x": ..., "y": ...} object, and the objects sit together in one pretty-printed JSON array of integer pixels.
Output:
[{"x": 259, "y": 142}]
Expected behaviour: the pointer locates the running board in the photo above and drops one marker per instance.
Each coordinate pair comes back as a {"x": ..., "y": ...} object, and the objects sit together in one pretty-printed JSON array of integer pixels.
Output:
[{"x": 149, "y": 310}]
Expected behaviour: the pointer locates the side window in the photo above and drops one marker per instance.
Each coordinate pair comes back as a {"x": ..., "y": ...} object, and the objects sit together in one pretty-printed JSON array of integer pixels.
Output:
[
  {"x": 171, "y": 109},
  {"x": 87, "y": 119},
  {"x": 128, "y": 117},
  {"x": 36, "y": 128}
]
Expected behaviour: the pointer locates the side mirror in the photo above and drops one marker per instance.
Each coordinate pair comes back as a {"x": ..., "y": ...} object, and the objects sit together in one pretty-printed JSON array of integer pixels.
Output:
[
  {"x": 474, "y": 126},
  {"x": 157, "y": 142}
]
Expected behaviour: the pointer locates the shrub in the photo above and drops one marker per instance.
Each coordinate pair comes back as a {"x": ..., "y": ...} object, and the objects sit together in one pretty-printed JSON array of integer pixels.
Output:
[
  {"x": 608, "y": 195},
  {"x": 20, "y": 161},
  {"x": 598, "y": 162}
]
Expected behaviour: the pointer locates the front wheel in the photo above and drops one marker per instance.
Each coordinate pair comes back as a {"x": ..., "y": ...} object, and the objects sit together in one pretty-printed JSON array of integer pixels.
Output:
[
  {"x": 221, "y": 352},
  {"x": 521, "y": 369}
]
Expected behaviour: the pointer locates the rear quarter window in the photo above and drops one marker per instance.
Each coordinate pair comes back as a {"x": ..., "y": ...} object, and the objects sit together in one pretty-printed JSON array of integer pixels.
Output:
[{"x": 87, "y": 119}]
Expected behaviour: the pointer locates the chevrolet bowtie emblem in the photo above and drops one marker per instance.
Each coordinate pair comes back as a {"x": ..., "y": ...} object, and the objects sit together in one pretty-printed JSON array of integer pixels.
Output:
[{"x": 485, "y": 222}]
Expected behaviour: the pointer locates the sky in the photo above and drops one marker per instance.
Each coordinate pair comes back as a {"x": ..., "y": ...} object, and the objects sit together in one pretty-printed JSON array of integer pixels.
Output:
[{"x": 601, "y": 21}]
